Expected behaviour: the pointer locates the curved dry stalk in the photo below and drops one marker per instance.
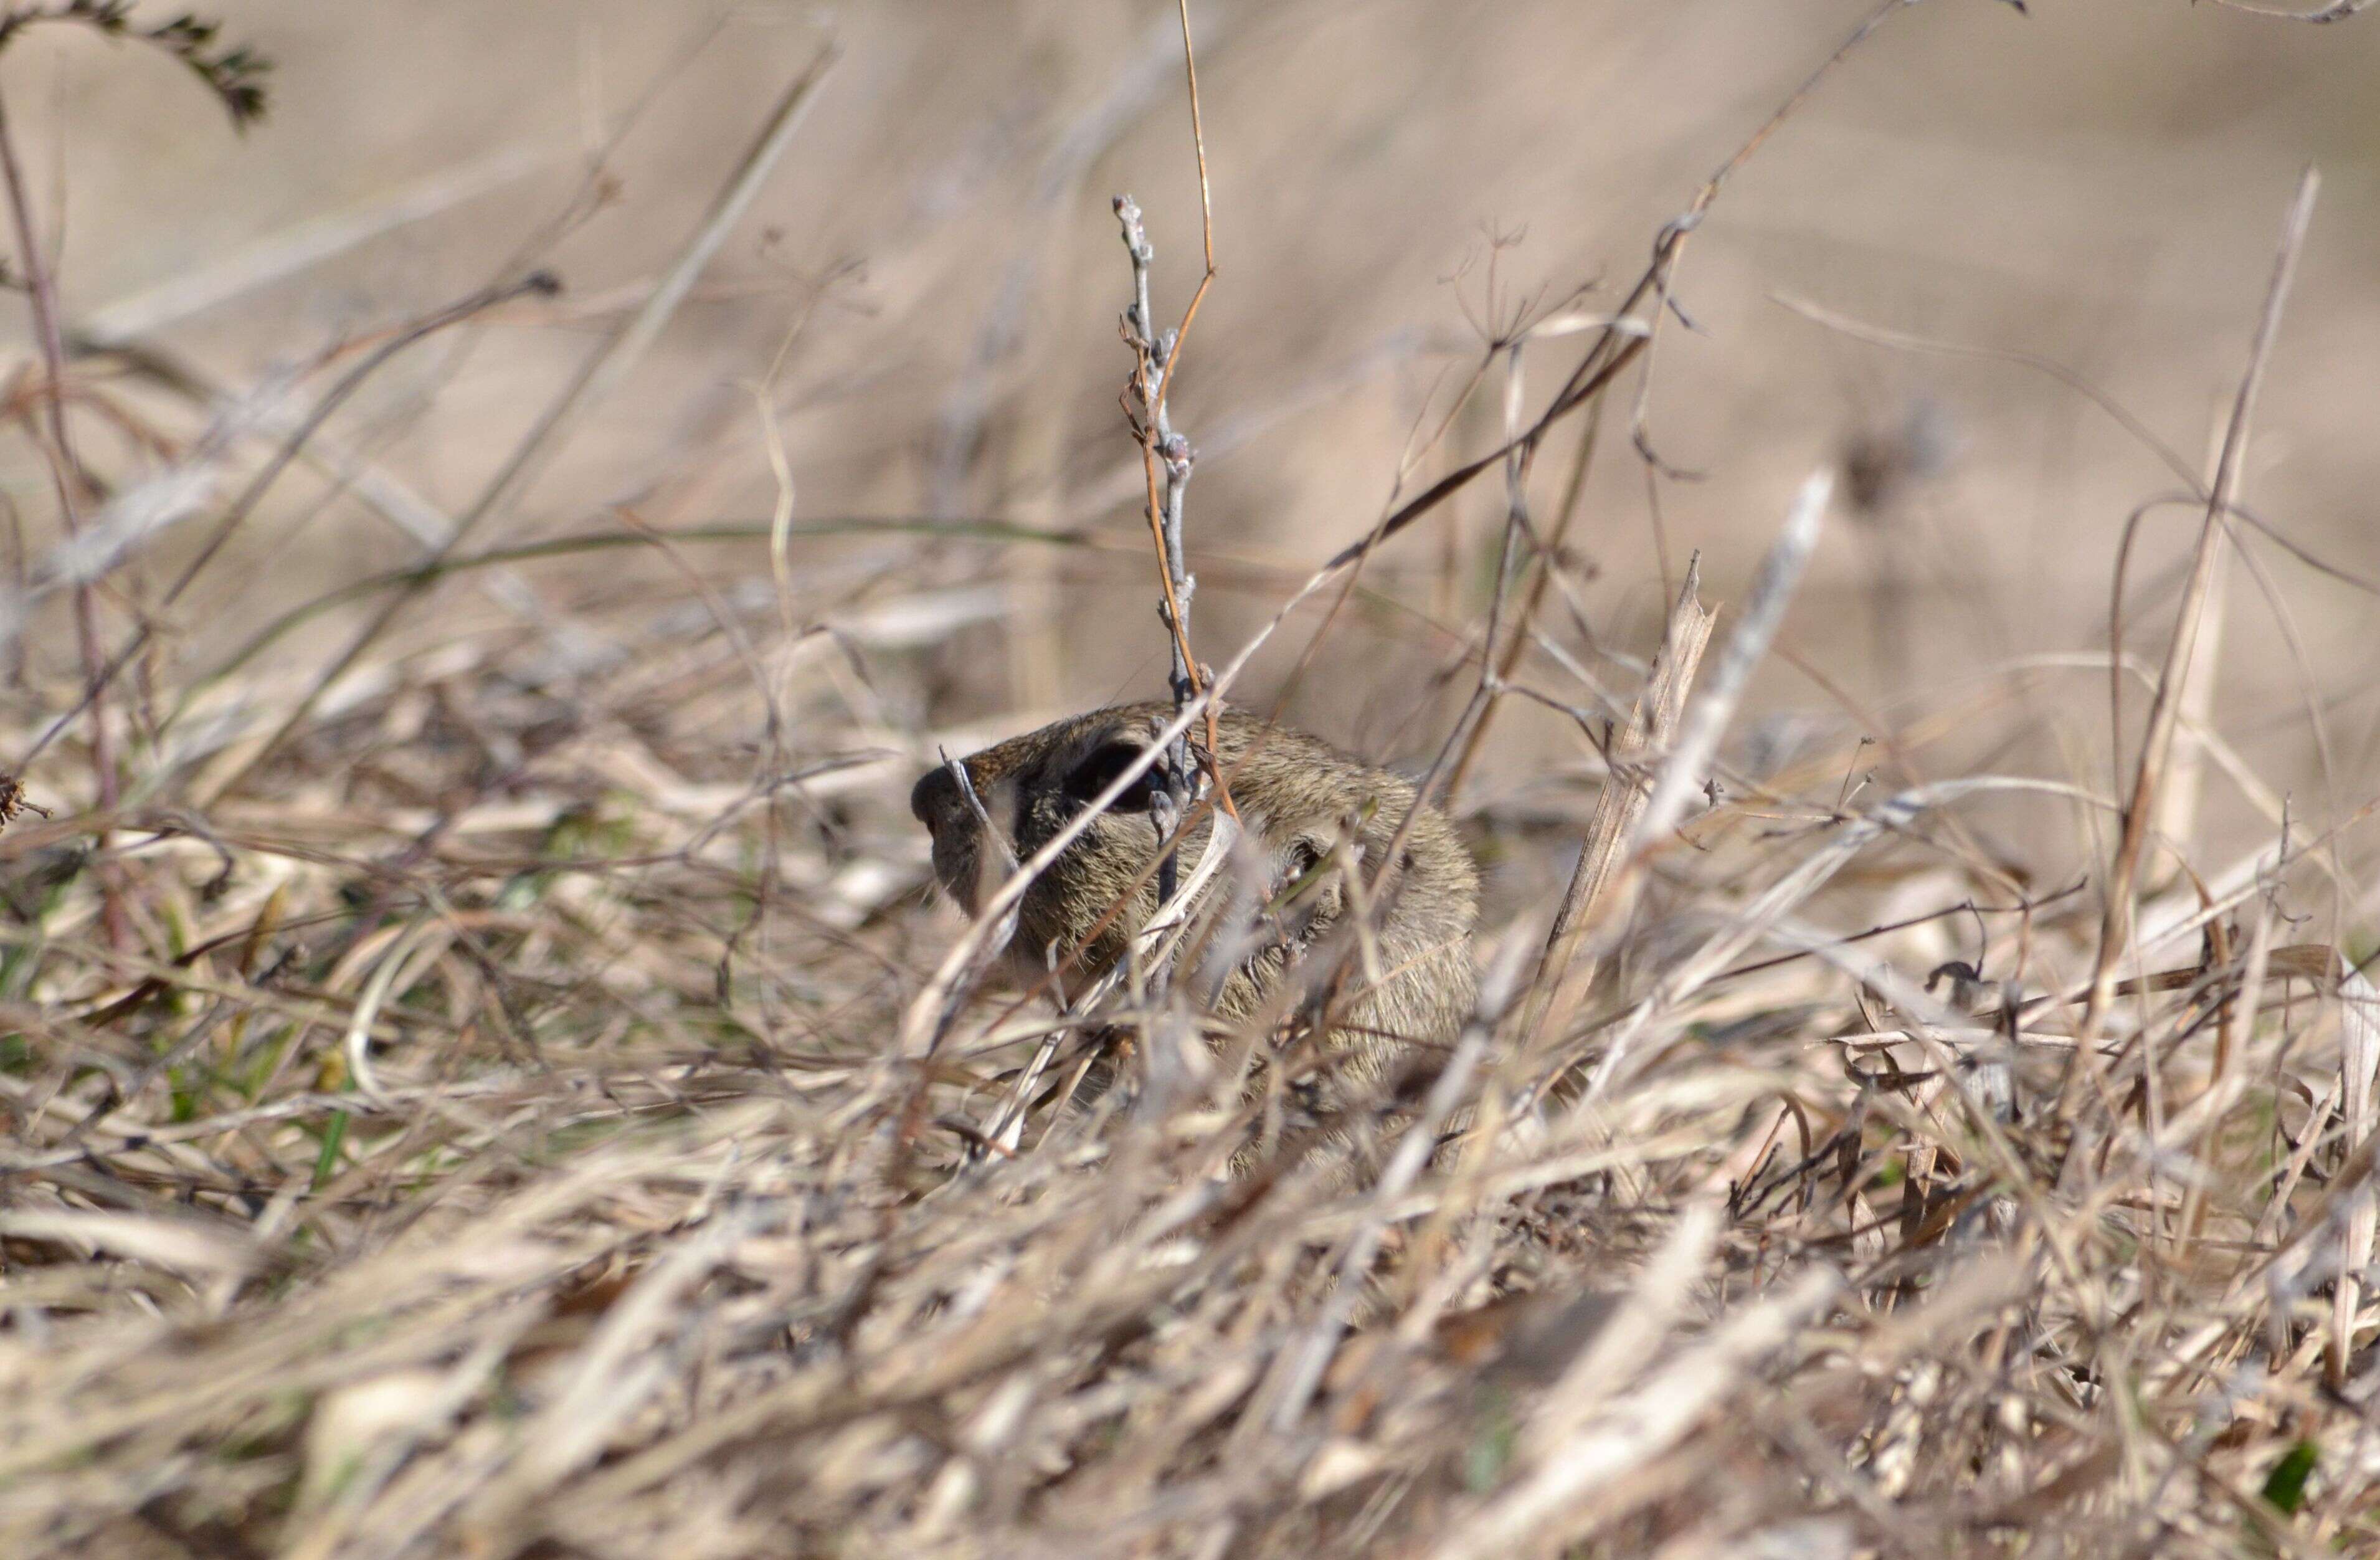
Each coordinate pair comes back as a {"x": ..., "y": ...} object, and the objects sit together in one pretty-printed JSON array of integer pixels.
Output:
[{"x": 2116, "y": 929}]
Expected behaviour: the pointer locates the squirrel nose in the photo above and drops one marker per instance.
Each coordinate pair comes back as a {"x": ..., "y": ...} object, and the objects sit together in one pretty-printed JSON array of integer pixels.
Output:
[{"x": 934, "y": 795}]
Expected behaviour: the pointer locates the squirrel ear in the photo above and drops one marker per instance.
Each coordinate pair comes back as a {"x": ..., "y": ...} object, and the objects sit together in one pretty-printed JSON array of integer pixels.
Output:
[{"x": 1098, "y": 770}]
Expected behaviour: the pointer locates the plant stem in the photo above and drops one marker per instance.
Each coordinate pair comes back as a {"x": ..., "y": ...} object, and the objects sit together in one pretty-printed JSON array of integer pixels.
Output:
[{"x": 65, "y": 475}]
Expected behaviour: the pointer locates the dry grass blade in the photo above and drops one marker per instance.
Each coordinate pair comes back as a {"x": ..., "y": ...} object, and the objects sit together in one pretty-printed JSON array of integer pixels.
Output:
[
  {"x": 2359, "y": 1062},
  {"x": 1300, "y": 1367},
  {"x": 1548, "y": 1502},
  {"x": 2339, "y": 10},
  {"x": 179, "y": 1245},
  {"x": 1563, "y": 982},
  {"x": 2140, "y": 812},
  {"x": 1686, "y": 770}
]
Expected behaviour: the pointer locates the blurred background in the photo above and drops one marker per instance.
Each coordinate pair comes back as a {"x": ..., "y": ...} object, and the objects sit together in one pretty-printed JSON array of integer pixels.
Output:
[{"x": 915, "y": 327}]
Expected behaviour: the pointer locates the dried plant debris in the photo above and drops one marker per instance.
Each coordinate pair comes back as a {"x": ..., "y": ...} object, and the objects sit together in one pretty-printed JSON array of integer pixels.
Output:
[
  {"x": 512, "y": 1158},
  {"x": 233, "y": 73},
  {"x": 495, "y": 1075},
  {"x": 15, "y": 803}
]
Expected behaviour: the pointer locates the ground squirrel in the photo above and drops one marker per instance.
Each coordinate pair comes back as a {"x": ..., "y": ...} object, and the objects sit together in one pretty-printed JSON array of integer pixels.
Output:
[{"x": 1298, "y": 798}]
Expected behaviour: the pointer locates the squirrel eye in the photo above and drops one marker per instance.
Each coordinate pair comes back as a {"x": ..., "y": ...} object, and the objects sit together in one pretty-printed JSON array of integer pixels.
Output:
[{"x": 1095, "y": 774}]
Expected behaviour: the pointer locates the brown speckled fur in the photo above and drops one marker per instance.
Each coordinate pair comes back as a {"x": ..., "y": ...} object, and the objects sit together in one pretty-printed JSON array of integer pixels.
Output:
[{"x": 1296, "y": 795}]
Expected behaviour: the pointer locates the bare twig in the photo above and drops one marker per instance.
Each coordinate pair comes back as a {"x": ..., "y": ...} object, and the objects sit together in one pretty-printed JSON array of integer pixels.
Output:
[
  {"x": 1206, "y": 213},
  {"x": 1549, "y": 559},
  {"x": 1668, "y": 249},
  {"x": 1155, "y": 358}
]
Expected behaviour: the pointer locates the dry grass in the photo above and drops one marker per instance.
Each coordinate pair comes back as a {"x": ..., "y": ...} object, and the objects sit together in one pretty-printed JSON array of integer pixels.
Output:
[{"x": 484, "y": 1074}]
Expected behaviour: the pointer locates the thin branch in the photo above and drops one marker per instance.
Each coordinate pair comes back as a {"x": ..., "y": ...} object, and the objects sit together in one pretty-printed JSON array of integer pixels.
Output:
[
  {"x": 1155, "y": 358},
  {"x": 1162, "y": 449}
]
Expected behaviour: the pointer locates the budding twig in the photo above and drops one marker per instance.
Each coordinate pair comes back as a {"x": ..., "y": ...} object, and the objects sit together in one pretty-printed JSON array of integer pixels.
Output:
[
  {"x": 1154, "y": 356},
  {"x": 1167, "y": 459}
]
